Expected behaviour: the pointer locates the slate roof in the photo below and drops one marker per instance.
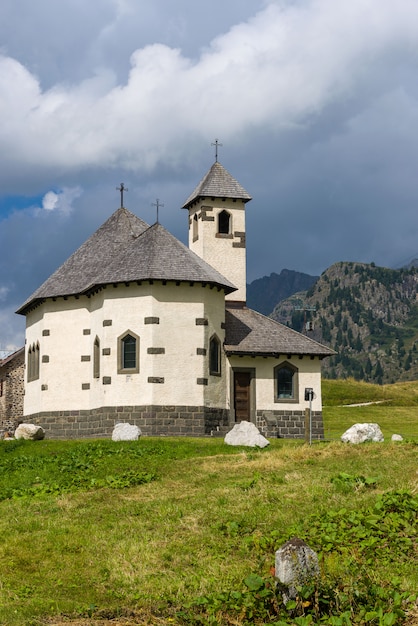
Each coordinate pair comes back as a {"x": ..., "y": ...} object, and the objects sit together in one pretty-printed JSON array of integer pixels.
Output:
[
  {"x": 157, "y": 255},
  {"x": 84, "y": 268},
  {"x": 250, "y": 333},
  {"x": 126, "y": 249},
  {"x": 12, "y": 356},
  {"x": 218, "y": 183}
]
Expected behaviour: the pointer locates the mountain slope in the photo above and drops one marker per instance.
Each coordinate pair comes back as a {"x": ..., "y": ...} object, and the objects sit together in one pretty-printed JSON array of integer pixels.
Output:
[
  {"x": 368, "y": 314},
  {"x": 264, "y": 293}
]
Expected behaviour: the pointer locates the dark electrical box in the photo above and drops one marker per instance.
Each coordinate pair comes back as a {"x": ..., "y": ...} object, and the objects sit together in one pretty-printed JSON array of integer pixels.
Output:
[{"x": 309, "y": 394}]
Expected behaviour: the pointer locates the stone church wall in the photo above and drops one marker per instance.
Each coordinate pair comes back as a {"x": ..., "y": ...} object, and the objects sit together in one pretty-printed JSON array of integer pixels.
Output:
[{"x": 12, "y": 374}]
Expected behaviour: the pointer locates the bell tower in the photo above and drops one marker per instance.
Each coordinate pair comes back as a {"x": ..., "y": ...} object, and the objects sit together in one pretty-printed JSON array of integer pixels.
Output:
[{"x": 217, "y": 226}]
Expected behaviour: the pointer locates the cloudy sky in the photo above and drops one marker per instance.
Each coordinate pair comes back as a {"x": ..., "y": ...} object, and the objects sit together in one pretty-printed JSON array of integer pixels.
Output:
[{"x": 314, "y": 101}]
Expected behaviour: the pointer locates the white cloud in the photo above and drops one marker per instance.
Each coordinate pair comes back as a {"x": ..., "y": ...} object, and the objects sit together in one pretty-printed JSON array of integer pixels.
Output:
[
  {"x": 61, "y": 201},
  {"x": 281, "y": 66},
  {"x": 50, "y": 201}
]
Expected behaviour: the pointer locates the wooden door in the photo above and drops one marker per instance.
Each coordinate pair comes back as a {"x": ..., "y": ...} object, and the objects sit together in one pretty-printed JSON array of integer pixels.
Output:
[{"x": 242, "y": 398}]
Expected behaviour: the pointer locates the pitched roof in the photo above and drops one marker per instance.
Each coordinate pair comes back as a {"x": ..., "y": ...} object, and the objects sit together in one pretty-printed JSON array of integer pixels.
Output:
[
  {"x": 126, "y": 249},
  {"x": 11, "y": 357},
  {"x": 157, "y": 255},
  {"x": 218, "y": 183},
  {"x": 85, "y": 268},
  {"x": 248, "y": 332}
]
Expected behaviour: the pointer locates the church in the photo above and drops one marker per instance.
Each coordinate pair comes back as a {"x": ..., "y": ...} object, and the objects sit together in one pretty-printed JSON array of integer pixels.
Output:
[{"x": 137, "y": 327}]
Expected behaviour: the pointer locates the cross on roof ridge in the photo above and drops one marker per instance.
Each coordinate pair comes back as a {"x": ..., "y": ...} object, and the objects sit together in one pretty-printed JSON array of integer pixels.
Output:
[{"x": 122, "y": 188}]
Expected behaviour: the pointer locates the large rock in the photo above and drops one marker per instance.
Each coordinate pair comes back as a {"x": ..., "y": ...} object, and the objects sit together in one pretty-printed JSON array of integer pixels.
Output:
[
  {"x": 29, "y": 431},
  {"x": 359, "y": 433},
  {"x": 126, "y": 432},
  {"x": 397, "y": 438},
  {"x": 295, "y": 565},
  {"x": 246, "y": 434}
]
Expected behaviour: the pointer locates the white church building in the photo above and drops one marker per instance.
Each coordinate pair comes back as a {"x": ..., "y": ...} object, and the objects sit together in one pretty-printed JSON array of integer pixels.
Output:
[{"x": 136, "y": 327}]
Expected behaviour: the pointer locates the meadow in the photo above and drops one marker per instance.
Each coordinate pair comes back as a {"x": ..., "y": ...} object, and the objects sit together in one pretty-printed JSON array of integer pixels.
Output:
[{"x": 184, "y": 531}]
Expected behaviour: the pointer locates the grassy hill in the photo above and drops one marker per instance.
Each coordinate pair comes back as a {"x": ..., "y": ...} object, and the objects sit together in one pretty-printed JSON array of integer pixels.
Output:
[
  {"x": 393, "y": 407},
  {"x": 351, "y": 391},
  {"x": 184, "y": 531}
]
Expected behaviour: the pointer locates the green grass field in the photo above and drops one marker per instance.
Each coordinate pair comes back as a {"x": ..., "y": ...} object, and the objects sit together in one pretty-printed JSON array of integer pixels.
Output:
[
  {"x": 395, "y": 408},
  {"x": 184, "y": 531}
]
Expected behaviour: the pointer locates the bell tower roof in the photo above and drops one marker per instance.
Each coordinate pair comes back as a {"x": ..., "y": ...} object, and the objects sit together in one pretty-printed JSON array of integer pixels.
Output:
[{"x": 218, "y": 183}]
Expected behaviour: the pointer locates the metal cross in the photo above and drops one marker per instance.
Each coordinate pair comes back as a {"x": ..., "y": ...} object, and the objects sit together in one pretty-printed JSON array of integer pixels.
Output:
[
  {"x": 122, "y": 188},
  {"x": 216, "y": 144},
  {"x": 157, "y": 204}
]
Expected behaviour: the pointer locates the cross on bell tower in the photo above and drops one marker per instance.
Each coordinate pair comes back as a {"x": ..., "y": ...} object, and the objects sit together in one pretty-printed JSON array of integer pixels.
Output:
[{"x": 217, "y": 145}]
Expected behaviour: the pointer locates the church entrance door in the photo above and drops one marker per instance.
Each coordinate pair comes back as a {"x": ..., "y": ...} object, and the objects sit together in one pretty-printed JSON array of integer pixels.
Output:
[{"x": 242, "y": 396}]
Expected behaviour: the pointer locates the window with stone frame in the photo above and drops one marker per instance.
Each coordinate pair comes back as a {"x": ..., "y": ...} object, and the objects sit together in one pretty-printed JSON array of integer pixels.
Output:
[
  {"x": 214, "y": 356},
  {"x": 96, "y": 358},
  {"x": 128, "y": 353},
  {"x": 286, "y": 383},
  {"x": 224, "y": 223},
  {"x": 195, "y": 227}
]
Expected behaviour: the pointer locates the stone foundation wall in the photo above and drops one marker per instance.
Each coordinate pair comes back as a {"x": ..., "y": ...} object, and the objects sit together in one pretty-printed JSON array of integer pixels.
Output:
[
  {"x": 172, "y": 421},
  {"x": 289, "y": 424}
]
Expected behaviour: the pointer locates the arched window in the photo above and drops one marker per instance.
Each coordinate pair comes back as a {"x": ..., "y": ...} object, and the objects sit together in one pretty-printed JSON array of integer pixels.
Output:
[
  {"x": 30, "y": 364},
  {"x": 286, "y": 382},
  {"x": 96, "y": 358},
  {"x": 37, "y": 361},
  {"x": 128, "y": 353},
  {"x": 195, "y": 228},
  {"x": 33, "y": 362},
  {"x": 214, "y": 356},
  {"x": 224, "y": 223}
]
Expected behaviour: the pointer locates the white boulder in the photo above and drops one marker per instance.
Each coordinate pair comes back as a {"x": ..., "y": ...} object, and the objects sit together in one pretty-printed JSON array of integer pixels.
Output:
[
  {"x": 126, "y": 432},
  {"x": 359, "y": 433},
  {"x": 397, "y": 438},
  {"x": 246, "y": 434},
  {"x": 29, "y": 431}
]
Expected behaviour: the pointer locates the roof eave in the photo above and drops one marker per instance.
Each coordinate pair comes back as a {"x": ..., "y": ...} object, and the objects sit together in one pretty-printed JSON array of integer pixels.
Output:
[
  {"x": 202, "y": 197},
  {"x": 276, "y": 355},
  {"x": 94, "y": 287}
]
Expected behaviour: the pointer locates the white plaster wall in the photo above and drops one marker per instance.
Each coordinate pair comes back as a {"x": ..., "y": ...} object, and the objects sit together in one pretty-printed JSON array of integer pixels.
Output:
[
  {"x": 65, "y": 320},
  {"x": 309, "y": 375},
  {"x": 177, "y": 308},
  {"x": 215, "y": 394},
  {"x": 219, "y": 251}
]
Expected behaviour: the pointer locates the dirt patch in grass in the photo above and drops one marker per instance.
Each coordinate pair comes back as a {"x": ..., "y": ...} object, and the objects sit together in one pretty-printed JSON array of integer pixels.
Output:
[{"x": 131, "y": 619}]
